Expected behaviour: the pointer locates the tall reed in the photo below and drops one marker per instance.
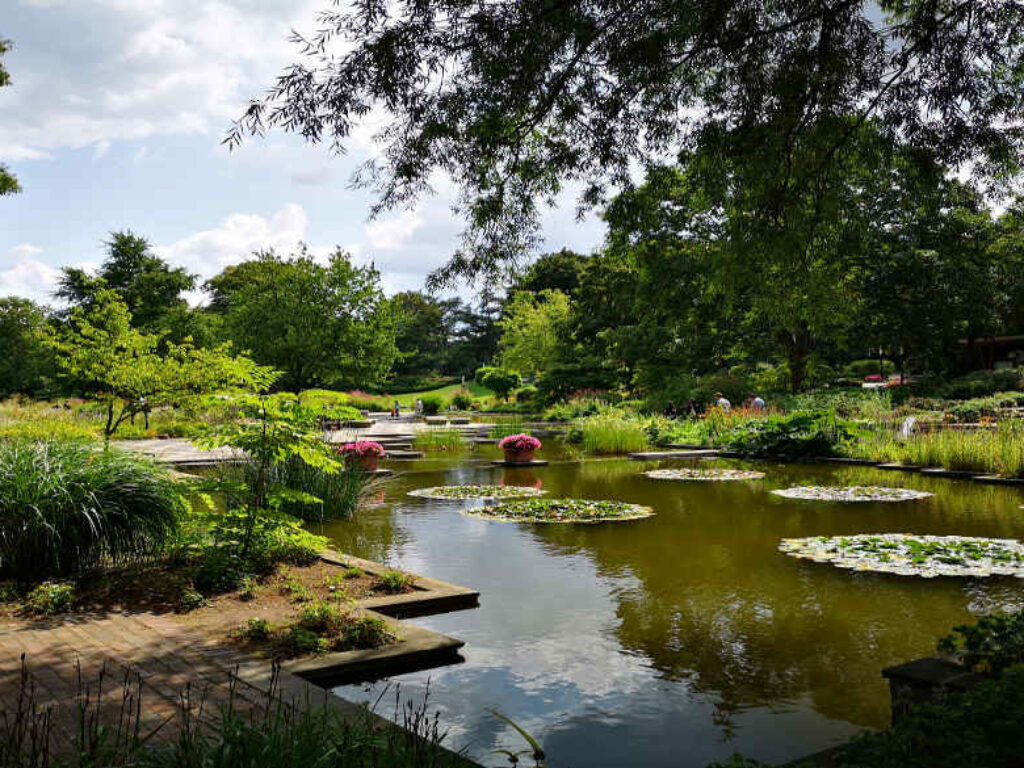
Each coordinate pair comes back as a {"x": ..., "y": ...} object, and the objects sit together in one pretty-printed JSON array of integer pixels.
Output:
[
  {"x": 610, "y": 433},
  {"x": 438, "y": 439}
]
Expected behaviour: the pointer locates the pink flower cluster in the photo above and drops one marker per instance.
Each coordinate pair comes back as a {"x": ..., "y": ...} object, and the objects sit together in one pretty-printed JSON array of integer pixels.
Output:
[
  {"x": 362, "y": 448},
  {"x": 518, "y": 443}
]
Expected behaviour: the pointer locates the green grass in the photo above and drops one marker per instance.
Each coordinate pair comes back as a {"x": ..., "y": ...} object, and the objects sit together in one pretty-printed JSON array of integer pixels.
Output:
[
  {"x": 66, "y": 508},
  {"x": 479, "y": 392}
]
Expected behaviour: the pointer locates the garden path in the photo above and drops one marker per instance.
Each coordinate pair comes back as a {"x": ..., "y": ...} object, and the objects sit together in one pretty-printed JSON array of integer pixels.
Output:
[{"x": 172, "y": 661}]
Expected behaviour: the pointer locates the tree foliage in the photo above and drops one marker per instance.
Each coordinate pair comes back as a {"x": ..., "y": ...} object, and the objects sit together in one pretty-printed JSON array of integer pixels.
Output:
[
  {"x": 8, "y": 182},
  {"x": 533, "y": 330},
  {"x": 513, "y": 100},
  {"x": 320, "y": 325},
  {"x": 122, "y": 367},
  {"x": 25, "y": 364}
]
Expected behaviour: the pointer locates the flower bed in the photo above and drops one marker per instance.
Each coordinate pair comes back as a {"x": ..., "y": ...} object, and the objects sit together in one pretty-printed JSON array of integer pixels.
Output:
[
  {"x": 362, "y": 448},
  {"x": 908, "y": 555},
  {"x": 709, "y": 475},
  {"x": 450, "y": 492},
  {"x": 852, "y": 493},
  {"x": 562, "y": 511}
]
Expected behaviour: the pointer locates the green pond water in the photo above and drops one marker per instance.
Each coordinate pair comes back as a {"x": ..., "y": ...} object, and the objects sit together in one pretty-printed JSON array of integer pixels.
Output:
[{"x": 679, "y": 639}]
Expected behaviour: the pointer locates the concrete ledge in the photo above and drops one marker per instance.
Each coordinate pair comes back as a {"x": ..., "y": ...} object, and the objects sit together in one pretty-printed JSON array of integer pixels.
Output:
[
  {"x": 962, "y": 474},
  {"x": 896, "y": 467},
  {"x": 851, "y": 462},
  {"x": 687, "y": 454},
  {"x": 996, "y": 480},
  {"x": 416, "y": 649}
]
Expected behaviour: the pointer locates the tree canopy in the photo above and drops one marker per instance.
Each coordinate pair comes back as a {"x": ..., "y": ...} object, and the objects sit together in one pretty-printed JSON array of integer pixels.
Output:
[
  {"x": 8, "y": 182},
  {"x": 516, "y": 100},
  {"x": 320, "y": 325}
]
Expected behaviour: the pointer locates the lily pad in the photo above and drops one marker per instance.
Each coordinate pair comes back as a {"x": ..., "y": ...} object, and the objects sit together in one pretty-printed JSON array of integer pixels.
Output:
[
  {"x": 708, "y": 475},
  {"x": 474, "y": 492},
  {"x": 851, "y": 493},
  {"x": 562, "y": 511},
  {"x": 909, "y": 555}
]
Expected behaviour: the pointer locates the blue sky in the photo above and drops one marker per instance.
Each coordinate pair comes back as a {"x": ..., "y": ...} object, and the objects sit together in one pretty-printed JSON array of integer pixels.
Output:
[{"x": 115, "y": 119}]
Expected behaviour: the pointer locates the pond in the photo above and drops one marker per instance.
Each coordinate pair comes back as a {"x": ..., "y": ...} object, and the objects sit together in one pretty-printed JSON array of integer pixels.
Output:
[{"x": 679, "y": 639}]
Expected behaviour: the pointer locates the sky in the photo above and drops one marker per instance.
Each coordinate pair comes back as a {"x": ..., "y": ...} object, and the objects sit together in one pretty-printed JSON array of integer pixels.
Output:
[{"x": 115, "y": 120}]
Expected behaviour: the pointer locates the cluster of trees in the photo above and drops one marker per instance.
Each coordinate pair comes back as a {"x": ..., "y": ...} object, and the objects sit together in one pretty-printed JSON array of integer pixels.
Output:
[
  {"x": 894, "y": 256},
  {"x": 322, "y": 324}
]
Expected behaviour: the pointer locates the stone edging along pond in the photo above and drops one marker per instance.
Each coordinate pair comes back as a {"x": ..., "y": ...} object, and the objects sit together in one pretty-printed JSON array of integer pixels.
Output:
[
  {"x": 851, "y": 494},
  {"x": 416, "y": 647},
  {"x": 905, "y": 554},
  {"x": 707, "y": 475},
  {"x": 561, "y": 511},
  {"x": 476, "y": 492}
]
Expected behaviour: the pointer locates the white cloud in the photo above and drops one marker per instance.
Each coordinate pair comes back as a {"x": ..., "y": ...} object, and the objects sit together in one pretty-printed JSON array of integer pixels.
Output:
[
  {"x": 138, "y": 68},
  {"x": 390, "y": 234},
  {"x": 27, "y": 276},
  {"x": 100, "y": 149},
  {"x": 25, "y": 250},
  {"x": 208, "y": 252}
]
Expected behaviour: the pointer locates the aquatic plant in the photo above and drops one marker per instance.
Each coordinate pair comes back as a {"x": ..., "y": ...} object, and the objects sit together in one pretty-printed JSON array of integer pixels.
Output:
[
  {"x": 438, "y": 440},
  {"x": 447, "y": 492},
  {"x": 909, "y": 555},
  {"x": 562, "y": 511},
  {"x": 704, "y": 474},
  {"x": 852, "y": 493},
  {"x": 66, "y": 508}
]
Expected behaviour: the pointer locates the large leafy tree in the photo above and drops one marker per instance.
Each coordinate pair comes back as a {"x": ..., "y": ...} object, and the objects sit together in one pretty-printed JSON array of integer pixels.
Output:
[
  {"x": 322, "y": 325},
  {"x": 25, "y": 363},
  {"x": 148, "y": 285},
  {"x": 8, "y": 182},
  {"x": 102, "y": 352},
  {"x": 424, "y": 330},
  {"x": 534, "y": 330},
  {"x": 514, "y": 99}
]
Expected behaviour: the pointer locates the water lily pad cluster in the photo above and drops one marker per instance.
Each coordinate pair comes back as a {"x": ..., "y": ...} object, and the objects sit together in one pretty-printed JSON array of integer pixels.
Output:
[
  {"x": 709, "y": 475},
  {"x": 851, "y": 493},
  {"x": 472, "y": 492},
  {"x": 562, "y": 511},
  {"x": 909, "y": 555}
]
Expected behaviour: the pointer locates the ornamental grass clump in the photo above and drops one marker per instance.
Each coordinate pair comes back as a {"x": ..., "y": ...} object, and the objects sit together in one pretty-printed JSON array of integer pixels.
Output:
[
  {"x": 438, "y": 440},
  {"x": 610, "y": 433},
  {"x": 66, "y": 508}
]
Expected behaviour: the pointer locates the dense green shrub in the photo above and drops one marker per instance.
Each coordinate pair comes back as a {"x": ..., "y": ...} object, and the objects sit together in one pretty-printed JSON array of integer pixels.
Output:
[
  {"x": 813, "y": 433},
  {"x": 340, "y": 492},
  {"x": 858, "y": 369},
  {"x": 51, "y": 597},
  {"x": 431, "y": 405},
  {"x": 526, "y": 396},
  {"x": 992, "y": 644},
  {"x": 66, "y": 508},
  {"x": 462, "y": 399},
  {"x": 499, "y": 380}
]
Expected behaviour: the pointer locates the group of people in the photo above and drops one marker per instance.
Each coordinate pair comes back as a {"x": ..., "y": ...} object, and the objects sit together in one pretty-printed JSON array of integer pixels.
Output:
[{"x": 753, "y": 402}]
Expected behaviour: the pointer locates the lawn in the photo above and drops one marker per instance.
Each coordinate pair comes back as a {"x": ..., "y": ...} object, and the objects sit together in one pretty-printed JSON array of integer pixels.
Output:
[{"x": 480, "y": 392}]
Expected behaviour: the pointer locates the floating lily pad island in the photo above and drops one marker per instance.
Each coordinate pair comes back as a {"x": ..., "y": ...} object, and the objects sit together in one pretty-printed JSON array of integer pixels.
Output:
[
  {"x": 908, "y": 555},
  {"x": 851, "y": 493},
  {"x": 561, "y": 511},
  {"x": 708, "y": 475},
  {"x": 474, "y": 492}
]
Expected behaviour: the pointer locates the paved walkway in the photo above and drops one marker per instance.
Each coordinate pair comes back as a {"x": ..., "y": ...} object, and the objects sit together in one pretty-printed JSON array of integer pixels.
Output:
[{"x": 65, "y": 656}]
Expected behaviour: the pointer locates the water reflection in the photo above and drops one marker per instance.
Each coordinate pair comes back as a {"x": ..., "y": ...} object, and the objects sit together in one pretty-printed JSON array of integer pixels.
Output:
[{"x": 679, "y": 639}]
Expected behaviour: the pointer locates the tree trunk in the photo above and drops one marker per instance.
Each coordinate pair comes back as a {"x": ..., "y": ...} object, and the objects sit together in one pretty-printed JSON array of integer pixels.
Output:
[{"x": 797, "y": 342}]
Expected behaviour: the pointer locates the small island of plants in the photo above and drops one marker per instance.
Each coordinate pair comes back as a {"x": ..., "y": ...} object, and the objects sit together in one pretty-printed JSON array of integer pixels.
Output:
[
  {"x": 473, "y": 492},
  {"x": 562, "y": 511},
  {"x": 852, "y": 493},
  {"x": 710, "y": 475},
  {"x": 908, "y": 555}
]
